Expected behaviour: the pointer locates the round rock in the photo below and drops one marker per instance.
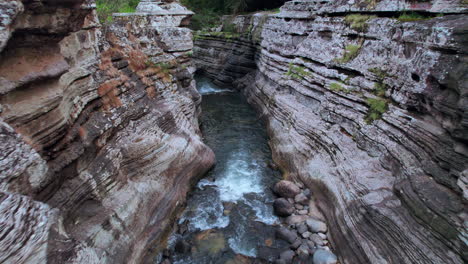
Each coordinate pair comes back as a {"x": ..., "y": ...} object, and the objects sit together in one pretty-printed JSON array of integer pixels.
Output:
[
  {"x": 282, "y": 207},
  {"x": 287, "y": 256},
  {"x": 286, "y": 189},
  {"x": 286, "y": 234},
  {"x": 316, "y": 226},
  {"x": 301, "y": 199},
  {"x": 324, "y": 257}
]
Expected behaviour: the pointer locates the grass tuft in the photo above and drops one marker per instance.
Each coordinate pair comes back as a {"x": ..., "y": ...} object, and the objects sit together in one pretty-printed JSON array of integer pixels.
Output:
[
  {"x": 351, "y": 52},
  {"x": 105, "y": 8},
  {"x": 358, "y": 22},
  {"x": 377, "y": 107}
]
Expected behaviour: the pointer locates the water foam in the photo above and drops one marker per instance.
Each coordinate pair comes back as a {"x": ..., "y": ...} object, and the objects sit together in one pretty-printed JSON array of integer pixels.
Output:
[
  {"x": 240, "y": 177},
  {"x": 206, "y": 87}
]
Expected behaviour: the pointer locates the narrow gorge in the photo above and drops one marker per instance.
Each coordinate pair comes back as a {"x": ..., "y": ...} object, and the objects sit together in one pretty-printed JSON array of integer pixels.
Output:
[{"x": 112, "y": 151}]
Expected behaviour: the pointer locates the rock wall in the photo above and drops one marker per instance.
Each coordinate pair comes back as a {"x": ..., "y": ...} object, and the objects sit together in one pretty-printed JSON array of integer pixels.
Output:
[
  {"x": 98, "y": 130},
  {"x": 371, "y": 112}
]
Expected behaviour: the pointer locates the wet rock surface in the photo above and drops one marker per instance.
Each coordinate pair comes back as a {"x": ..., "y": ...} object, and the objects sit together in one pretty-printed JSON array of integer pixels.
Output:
[{"x": 368, "y": 112}]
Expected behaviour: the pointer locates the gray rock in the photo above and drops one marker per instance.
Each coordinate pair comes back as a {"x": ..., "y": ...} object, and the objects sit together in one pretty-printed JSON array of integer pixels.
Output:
[
  {"x": 296, "y": 244},
  {"x": 286, "y": 234},
  {"x": 322, "y": 235},
  {"x": 302, "y": 212},
  {"x": 306, "y": 234},
  {"x": 318, "y": 241},
  {"x": 287, "y": 256},
  {"x": 294, "y": 219},
  {"x": 307, "y": 193},
  {"x": 282, "y": 207},
  {"x": 324, "y": 257},
  {"x": 286, "y": 189},
  {"x": 299, "y": 206},
  {"x": 301, "y": 199},
  {"x": 301, "y": 228},
  {"x": 303, "y": 250},
  {"x": 316, "y": 226}
]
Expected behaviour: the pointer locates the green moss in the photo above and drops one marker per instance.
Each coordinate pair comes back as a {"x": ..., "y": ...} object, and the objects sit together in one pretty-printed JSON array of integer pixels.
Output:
[
  {"x": 380, "y": 89},
  {"x": 297, "y": 72},
  {"x": 189, "y": 54},
  {"x": 379, "y": 73},
  {"x": 351, "y": 52},
  {"x": 377, "y": 106},
  {"x": 358, "y": 22},
  {"x": 229, "y": 27},
  {"x": 412, "y": 16},
  {"x": 337, "y": 87},
  {"x": 164, "y": 66}
]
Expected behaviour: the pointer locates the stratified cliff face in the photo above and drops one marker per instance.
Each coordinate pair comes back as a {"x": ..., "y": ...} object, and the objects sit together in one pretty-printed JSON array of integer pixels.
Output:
[
  {"x": 99, "y": 134},
  {"x": 372, "y": 113}
]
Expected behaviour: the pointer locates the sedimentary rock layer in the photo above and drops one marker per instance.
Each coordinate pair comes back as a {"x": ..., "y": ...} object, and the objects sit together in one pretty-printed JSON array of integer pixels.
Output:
[
  {"x": 98, "y": 131},
  {"x": 372, "y": 112}
]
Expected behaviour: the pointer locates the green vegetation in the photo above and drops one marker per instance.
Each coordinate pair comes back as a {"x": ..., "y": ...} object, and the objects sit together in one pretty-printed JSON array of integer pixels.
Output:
[
  {"x": 105, "y": 8},
  {"x": 413, "y": 16},
  {"x": 351, "y": 52},
  {"x": 377, "y": 106},
  {"x": 379, "y": 73},
  {"x": 358, "y": 22},
  {"x": 380, "y": 89},
  {"x": 337, "y": 87},
  {"x": 164, "y": 66},
  {"x": 208, "y": 13},
  {"x": 297, "y": 72}
]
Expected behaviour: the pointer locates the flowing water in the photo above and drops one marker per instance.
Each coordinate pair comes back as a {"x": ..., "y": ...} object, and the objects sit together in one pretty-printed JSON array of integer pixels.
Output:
[{"x": 229, "y": 215}]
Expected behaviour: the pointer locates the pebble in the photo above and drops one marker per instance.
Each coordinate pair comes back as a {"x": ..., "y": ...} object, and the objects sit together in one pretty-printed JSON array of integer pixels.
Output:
[
  {"x": 294, "y": 219},
  {"x": 316, "y": 226},
  {"x": 301, "y": 199},
  {"x": 302, "y": 212},
  {"x": 307, "y": 193},
  {"x": 324, "y": 257},
  {"x": 286, "y": 189},
  {"x": 296, "y": 244},
  {"x": 301, "y": 228},
  {"x": 303, "y": 250},
  {"x": 287, "y": 256},
  {"x": 316, "y": 239},
  {"x": 306, "y": 234},
  {"x": 322, "y": 235},
  {"x": 299, "y": 206},
  {"x": 286, "y": 234},
  {"x": 291, "y": 200}
]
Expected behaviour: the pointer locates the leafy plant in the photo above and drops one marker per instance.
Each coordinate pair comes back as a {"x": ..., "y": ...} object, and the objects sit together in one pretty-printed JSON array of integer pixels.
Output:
[
  {"x": 377, "y": 107},
  {"x": 297, "y": 72},
  {"x": 412, "y": 16}
]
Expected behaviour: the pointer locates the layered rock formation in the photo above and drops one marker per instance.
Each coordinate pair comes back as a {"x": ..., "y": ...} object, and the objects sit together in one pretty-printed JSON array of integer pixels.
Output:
[
  {"x": 98, "y": 131},
  {"x": 371, "y": 112}
]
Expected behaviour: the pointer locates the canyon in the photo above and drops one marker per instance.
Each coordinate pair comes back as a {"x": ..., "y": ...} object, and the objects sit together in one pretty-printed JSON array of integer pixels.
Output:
[{"x": 101, "y": 143}]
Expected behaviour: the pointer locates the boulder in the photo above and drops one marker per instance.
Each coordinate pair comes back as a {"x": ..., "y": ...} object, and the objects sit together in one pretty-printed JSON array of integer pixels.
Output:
[
  {"x": 286, "y": 234},
  {"x": 286, "y": 189},
  {"x": 324, "y": 257},
  {"x": 282, "y": 207}
]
